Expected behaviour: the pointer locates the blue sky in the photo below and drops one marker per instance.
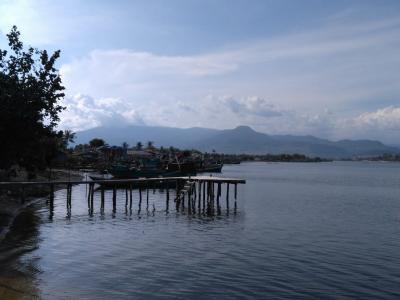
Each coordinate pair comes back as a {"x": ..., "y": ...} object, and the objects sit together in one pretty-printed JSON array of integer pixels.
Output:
[{"x": 327, "y": 68}]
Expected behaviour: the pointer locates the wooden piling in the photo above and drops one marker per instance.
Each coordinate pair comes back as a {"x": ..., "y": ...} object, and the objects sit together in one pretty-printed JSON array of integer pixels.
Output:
[
  {"x": 130, "y": 197},
  {"x": 199, "y": 200},
  {"x": 189, "y": 203},
  {"x": 69, "y": 191},
  {"x": 227, "y": 198},
  {"x": 176, "y": 190},
  {"x": 114, "y": 199},
  {"x": 88, "y": 195},
  {"x": 140, "y": 200},
  {"x": 147, "y": 199},
  {"x": 218, "y": 195},
  {"x": 51, "y": 199},
  {"x": 91, "y": 198},
  {"x": 235, "y": 205},
  {"x": 167, "y": 200},
  {"x": 204, "y": 197},
  {"x": 194, "y": 197},
  {"x": 102, "y": 199}
]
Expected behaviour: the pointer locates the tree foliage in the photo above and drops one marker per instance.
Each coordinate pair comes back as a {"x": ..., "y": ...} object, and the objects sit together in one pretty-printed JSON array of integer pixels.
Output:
[
  {"x": 30, "y": 91},
  {"x": 96, "y": 142}
]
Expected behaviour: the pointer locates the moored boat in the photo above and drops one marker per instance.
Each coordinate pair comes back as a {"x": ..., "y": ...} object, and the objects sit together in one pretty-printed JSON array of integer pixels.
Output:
[{"x": 212, "y": 168}]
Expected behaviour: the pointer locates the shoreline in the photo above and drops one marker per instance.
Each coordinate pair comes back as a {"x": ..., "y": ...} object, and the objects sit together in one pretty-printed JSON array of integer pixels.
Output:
[{"x": 11, "y": 206}]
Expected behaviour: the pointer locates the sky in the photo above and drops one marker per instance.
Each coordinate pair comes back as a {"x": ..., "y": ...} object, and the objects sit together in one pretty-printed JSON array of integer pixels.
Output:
[{"x": 323, "y": 68}]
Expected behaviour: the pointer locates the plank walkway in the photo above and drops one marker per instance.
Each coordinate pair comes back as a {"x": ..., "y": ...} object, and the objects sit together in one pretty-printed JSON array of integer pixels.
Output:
[{"x": 138, "y": 180}]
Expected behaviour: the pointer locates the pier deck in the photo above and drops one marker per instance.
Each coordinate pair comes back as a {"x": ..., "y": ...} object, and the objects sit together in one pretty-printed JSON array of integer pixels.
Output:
[{"x": 202, "y": 193}]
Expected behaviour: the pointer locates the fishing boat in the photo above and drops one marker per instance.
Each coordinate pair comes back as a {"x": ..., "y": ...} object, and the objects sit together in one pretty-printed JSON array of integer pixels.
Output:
[
  {"x": 211, "y": 168},
  {"x": 106, "y": 183}
]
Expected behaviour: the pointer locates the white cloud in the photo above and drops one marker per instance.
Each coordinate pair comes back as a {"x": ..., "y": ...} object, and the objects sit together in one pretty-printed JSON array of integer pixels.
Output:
[
  {"x": 387, "y": 118},
  {"x": 382, "y": 124},
  {"x": 84, "y": 112}
]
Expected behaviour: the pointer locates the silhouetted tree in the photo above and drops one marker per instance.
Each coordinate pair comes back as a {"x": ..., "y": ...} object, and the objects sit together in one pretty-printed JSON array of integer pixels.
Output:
[
  {"x": 139, "y": 146},
  {"x": 94, "y": 143},
  {"x": 68, "y": 137},
  {"x": 30, "y": 90},
  {"x": 125, "y": 145},
  {"x": 150, "y": 145}
]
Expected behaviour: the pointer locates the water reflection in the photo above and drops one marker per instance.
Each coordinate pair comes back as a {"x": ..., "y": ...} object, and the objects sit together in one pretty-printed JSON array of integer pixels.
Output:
[{"x": 18, "y": 276}]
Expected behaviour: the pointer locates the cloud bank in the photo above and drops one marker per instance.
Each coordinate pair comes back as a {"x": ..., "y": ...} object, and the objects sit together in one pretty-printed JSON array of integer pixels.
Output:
[
  {"x": 338, "y": 80},
  {"x": 324, "y": 82}
]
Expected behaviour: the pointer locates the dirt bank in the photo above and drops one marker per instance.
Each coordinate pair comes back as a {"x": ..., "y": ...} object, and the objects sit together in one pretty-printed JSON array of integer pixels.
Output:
[{"x": 10, "y": 200}]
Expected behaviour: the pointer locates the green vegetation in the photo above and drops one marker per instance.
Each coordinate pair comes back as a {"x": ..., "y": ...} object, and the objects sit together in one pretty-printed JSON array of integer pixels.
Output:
[
  {"x": 94, "y": 143},
  {"x": 30, "y": 91}
]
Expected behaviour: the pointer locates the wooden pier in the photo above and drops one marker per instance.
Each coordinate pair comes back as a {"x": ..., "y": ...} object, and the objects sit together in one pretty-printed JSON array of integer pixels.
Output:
[{"x": 193, "y": 195}]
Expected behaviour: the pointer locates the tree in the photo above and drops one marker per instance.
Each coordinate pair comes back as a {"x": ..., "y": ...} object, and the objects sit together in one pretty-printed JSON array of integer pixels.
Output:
[
  {"x": 150, "y": 145},
  {"x": 139, "y": 146},
  {"x": 95, "y": 143},
  {"x": 30, "y": 91},
  {"x": 68, "y": 137},
  {"x": 125, "y": 145}
]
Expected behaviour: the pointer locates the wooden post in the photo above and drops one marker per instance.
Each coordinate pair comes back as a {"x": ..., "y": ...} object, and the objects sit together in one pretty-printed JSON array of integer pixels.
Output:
[
  {"x": 88, "y": 195},
  {"x": 199, "y": 203},
  {"x": 227, "y": 198},
  {"x": 218, "y": 195},
  {"x": 130, "y": 196},
  {"x": 114, "y": 199},
  {"x": 189, "y": 203},
  {"x": 51, "y": 198},
  {"x": 177, "y": 199},
  {"x": 176, "y": 190},
  {"x": 147, "y": 199},
  {"x": 126, "y": 197},
  {"x": 67, "y": 197},
  {"x": 235, "y": 206},
  {"x": 69, "y": 191},
  {"x": 194, "y": 194},
  {"x": 212, "y": 197},
  {"x": 204, "y": 197},
  {"x": 140, "y": 200},
  {"x": 70, "y": 196},
  {"x": 102, "y": 199},
  {"x": 167, "y": 204},
  {"x": 91, "y": 198}
]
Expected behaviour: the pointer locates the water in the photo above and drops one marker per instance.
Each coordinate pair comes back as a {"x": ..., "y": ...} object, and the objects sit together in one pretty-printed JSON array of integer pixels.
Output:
[{"x": 312, "y": 231}]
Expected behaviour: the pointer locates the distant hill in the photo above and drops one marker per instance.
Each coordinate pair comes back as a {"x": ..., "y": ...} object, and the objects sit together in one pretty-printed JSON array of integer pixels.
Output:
[{"x": 241, "y": 139}]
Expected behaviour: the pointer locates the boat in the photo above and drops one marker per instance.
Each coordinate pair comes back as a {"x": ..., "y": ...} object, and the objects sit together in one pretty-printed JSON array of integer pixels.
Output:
[
  {"x": 211, "y": 168},
  {"x": 185, "y": 168},
  {"x": 108, "y": 184}
]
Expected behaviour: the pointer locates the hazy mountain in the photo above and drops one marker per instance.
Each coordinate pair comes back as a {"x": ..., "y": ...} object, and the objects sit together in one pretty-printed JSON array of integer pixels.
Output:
[
  {"x": 161, "y": 136},
  {"x": 241, "y": 139}
]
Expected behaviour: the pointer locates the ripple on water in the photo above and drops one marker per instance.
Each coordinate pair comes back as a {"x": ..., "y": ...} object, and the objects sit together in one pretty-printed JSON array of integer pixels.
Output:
[{"x": 307, "y": 231}]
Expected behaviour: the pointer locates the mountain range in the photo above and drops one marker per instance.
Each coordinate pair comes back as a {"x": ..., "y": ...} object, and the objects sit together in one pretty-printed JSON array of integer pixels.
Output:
[{"x": 241, "y": 139}]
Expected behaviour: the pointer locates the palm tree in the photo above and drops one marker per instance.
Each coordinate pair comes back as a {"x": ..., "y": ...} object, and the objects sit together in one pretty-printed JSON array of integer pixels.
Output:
[
  {"x": 125, "y": 145},
  {"x": 68, "y": 137},
  {"x": 139, "y": 146},
  {"x": 150, "y": 145}
]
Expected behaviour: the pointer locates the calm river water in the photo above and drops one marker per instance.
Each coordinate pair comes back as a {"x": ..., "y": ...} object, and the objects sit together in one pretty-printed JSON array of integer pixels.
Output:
[{"x": 311, "y": 231}]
